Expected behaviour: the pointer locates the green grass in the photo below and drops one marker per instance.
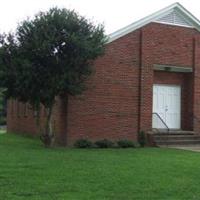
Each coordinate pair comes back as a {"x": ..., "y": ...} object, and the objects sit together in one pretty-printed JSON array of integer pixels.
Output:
[{"x": 30, "y": 172}]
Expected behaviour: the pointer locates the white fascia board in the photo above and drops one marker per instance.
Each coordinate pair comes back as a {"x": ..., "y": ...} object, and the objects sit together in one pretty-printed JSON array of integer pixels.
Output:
[
  {"x": 189, "y": 16},
  {"x": 173, "y": 24},
  {"x": 140, "y": 23}
]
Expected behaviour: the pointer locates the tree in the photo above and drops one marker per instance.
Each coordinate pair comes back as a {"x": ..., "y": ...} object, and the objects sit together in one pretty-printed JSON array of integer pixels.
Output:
[{"x": 49, "y": 56}]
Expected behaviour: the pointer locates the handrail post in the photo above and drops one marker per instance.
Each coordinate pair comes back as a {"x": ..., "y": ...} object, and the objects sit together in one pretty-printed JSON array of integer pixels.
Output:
[{"x": 155, "y": 113}]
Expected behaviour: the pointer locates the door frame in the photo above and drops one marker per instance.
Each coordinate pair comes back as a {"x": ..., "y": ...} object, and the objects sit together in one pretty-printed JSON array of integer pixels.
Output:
[{"x": 170, "y": 85}]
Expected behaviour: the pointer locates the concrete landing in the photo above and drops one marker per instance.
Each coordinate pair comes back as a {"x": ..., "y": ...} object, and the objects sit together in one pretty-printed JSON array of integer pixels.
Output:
[{"x": 188, "y": 148}]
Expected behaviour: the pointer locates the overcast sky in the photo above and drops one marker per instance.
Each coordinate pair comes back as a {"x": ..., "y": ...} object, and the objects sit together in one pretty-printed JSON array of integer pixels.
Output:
[{"x": 113, "y": 13}]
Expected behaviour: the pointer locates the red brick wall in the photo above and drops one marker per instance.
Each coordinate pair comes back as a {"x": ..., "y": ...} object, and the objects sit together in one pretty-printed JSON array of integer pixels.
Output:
[
  {"x": 21, "y": 118},
  {"x": 162, "y": 44},
  {"x": 109, "y": 108},
  {"x": 196, "y": 88},
  {"x": 118, "y": 101}
]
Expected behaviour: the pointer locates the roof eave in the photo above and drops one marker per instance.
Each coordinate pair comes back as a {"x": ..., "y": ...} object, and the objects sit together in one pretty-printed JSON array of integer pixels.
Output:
[{"x": 144, "y": 21}]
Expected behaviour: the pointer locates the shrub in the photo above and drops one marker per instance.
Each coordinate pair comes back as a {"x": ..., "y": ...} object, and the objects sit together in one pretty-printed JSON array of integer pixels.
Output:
[
  {"x": 137, "y": 144},
  {"x": 125, "y": 143},
  {"x": 83, "y": 143},
  {"x": 141, "y": 138},
  {"x": 104, "y": 143}
]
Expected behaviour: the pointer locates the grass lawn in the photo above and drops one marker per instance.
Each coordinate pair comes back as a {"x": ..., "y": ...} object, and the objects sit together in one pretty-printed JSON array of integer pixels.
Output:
[{"x": 30, "y": 172}]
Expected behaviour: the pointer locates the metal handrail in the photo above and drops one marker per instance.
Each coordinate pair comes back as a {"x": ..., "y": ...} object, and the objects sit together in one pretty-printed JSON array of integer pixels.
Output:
[{"x": 154, "y": 113}]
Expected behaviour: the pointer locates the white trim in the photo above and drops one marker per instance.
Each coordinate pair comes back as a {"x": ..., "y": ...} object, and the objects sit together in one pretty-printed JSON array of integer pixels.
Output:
[
  {"x": 172, "y": 68},
  {"x": 175, "y": 14},
  {"x": 173, "y": 24},
  {"x": 153, "y": 17},
  {"x": 179, "y": 104}
]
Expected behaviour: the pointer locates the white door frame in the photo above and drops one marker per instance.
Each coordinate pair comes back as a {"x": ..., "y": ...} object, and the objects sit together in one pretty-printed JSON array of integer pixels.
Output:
[{"x": 167, "y": 85}]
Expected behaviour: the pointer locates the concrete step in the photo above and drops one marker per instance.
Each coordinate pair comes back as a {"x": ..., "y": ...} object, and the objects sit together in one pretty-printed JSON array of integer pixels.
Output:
[
  {"x": 176, "y": 137},
  {"x": 171, "y": 132}
]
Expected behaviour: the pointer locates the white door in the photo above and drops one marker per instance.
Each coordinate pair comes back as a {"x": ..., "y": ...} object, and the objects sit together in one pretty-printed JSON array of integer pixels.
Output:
[{"x": 167, "y": 104}]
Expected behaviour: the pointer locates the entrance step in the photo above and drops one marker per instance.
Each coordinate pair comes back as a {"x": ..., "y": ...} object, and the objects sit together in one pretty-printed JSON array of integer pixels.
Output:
[
  {"x": 175, "y": 138},
  {"x": 172, "y": 132}
]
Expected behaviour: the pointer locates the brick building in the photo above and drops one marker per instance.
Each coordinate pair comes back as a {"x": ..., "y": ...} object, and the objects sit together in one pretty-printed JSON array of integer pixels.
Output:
[{"x": 148, "y": 78}]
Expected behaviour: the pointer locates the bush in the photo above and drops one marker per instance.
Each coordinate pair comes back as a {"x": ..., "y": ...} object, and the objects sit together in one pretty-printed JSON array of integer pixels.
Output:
[
  {"x": 137, "y": 144},
  {"x": 104, "y": 143},
  {"x": 125, "y": 143},
  {"x": 141, "y": 138},
  {"x": 83, "y": 143}
]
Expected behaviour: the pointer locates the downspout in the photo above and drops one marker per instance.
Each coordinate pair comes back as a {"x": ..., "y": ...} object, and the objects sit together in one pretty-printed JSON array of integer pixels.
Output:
[
  {"x": 140, "y": 79},
  {"x": 193, "y": 82}
]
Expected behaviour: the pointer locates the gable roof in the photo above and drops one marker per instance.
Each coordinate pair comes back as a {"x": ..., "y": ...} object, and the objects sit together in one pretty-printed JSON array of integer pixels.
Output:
[{"x": 177, "y": 8}]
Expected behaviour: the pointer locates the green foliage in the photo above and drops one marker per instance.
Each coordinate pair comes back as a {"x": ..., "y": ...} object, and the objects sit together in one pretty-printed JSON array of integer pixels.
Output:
[
  {"x": 125, "y": 143},
  {"x": 48, "y": 56},
  {"x": 141, "y": 138},
  {"x": 105, "y": 143},
  {"x": 83, "y": 143}
]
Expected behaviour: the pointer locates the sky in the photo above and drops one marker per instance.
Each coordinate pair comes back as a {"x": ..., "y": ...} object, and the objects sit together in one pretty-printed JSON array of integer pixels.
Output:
[{"x": 114, "y": 14}]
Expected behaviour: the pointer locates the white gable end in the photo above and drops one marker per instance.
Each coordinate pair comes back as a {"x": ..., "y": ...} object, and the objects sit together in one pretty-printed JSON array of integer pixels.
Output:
[
  {"x": 174, "y": 14},
  {"x": 174, "y": 18}
]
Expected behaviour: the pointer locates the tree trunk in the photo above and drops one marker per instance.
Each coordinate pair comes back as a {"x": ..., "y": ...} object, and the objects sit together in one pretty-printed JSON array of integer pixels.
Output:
[{"x": 48, "y": 136}]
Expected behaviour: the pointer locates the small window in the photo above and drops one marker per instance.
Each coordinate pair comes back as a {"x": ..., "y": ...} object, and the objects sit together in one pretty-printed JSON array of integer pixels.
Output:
[
  {"x": 36, "y": 112},
  {"x": 18, "y": 109},
  {"x": 45, "y": 111},
  {"x": 12, "y": 106},
  {"x": 25, "y": 109}
]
